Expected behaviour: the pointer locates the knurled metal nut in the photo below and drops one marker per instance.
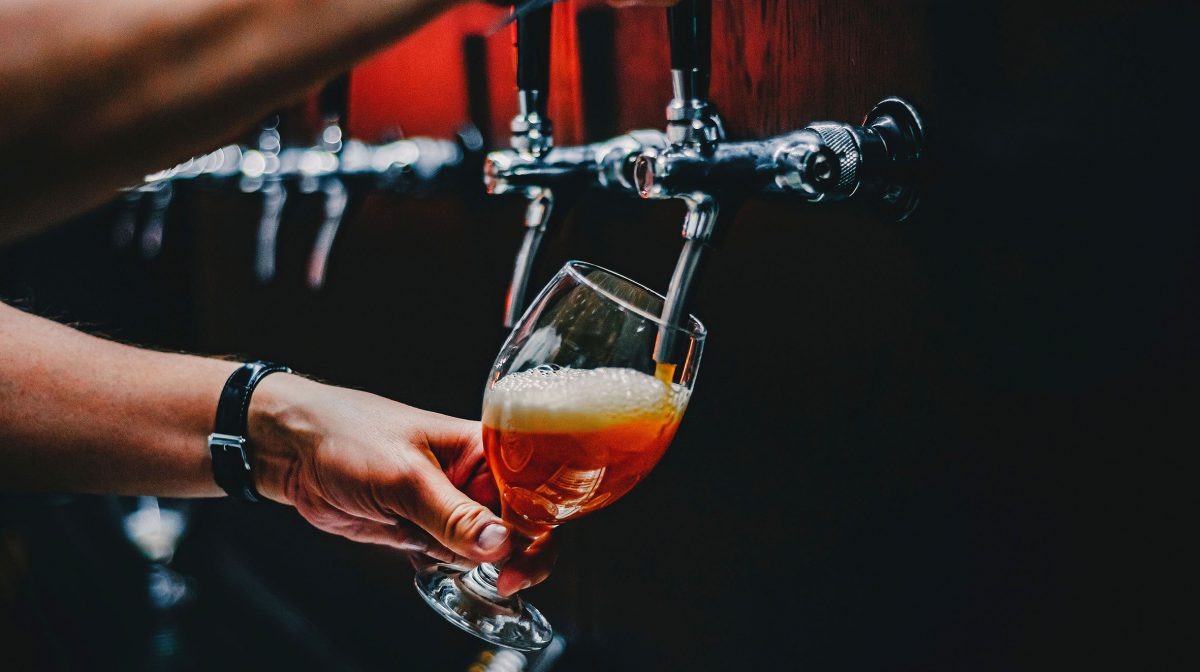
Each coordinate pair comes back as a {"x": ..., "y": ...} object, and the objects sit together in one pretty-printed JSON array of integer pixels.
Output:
[{"x": 841, "y": 142}]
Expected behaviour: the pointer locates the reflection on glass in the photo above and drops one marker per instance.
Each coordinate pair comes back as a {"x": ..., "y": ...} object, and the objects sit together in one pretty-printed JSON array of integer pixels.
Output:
[{"x": 575, "y": 413}]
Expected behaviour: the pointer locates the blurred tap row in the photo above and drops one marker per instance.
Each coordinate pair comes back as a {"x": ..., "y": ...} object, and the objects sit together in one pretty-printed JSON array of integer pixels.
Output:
[
  {"x": 690, "y": 159},
  {"x": 333, "y": 165}
]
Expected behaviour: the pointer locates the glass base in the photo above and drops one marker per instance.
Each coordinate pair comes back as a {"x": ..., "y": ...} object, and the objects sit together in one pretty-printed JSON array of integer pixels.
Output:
[{"x": 469, "y": 600}]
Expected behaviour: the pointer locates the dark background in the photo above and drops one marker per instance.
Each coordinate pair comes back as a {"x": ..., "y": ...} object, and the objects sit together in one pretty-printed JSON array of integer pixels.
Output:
[{"x": 955, "y": 443}]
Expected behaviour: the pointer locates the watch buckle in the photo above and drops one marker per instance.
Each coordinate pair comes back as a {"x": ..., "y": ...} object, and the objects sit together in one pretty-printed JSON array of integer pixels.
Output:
[{"x": 227, "y": 441}]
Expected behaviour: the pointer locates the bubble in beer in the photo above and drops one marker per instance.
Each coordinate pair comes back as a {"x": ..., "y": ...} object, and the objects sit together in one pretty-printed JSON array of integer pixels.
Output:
[{"x": 555, "y": 399}]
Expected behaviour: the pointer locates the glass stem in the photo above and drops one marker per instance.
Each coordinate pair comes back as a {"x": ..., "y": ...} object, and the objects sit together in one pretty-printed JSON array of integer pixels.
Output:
[{"x": 482, "y": 581}]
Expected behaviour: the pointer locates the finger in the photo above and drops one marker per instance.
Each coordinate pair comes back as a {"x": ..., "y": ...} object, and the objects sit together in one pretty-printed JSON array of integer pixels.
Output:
[
  {"x": 481, "y": 487},
  {"x": 393, "y": 535},
  {"x": 528, "y": 567},
  {"x": 457, "y": 447},
  {"x": 398, "y": 534},
  {"x": 458, "y": 522},
  {"x": 457, "y": 444},
  {"x": 370, "y": 532},
  {"x": 425, "y": 544}
]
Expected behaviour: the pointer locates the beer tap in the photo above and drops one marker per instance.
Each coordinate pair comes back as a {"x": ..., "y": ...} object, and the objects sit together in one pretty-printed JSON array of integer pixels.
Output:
[
  {"x": 550, "y": 177},
  {"x": 261, "y": 173},
  {"x": 823, "y": 162},
  {"x": 160, "y": 192},
  {"x": 532, "y": 140},
  {"x": 694, "y": 132},
  {"x": 319, "y": 170},
  {"x": 160, "y": 188}
]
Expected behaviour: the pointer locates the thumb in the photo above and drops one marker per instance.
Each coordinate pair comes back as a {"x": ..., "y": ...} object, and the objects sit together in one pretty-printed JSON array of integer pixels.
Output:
[{"x": 461, "y": 524}]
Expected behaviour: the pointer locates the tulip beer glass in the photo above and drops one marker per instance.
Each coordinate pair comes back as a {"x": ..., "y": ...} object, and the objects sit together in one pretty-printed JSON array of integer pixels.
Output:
[{"x": 576, "y": 411}]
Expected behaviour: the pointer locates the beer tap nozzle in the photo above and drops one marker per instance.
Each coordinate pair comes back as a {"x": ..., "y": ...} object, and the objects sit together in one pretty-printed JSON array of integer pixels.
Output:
[
  {"x": 260, "y": 170},
  {"x": 161, "y": 193},
  {"x": 333, "y": 102},
  {"x": 537, "y": 216}
]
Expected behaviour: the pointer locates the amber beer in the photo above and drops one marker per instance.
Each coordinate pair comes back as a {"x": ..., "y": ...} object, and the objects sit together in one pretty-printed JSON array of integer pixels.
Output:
[{"x": 563, "y": 442}]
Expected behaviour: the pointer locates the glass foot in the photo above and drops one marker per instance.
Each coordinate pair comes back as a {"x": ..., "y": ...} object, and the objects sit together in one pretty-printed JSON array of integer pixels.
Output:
[{"x": 469, "y": 600}]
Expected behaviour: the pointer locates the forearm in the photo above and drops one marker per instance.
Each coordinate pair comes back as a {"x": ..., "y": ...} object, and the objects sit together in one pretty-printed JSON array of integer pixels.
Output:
[
  {"x": 95, "y": 94},
  {"x": 82, "y": 414}
]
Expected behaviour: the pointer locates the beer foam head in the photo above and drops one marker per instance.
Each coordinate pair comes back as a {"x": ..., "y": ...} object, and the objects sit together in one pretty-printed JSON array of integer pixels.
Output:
[{"x": 553, "y": 399}]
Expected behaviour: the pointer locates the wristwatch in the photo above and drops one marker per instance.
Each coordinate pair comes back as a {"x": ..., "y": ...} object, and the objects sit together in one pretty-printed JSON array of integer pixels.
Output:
[{"x": 227, "y": 444}]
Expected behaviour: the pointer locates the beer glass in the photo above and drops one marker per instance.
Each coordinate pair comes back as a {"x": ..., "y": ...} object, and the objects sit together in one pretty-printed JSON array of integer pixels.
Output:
[{"x": 576, "y": 411}]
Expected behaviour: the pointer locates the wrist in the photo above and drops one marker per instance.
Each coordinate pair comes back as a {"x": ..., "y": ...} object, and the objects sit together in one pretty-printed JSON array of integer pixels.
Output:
[{"x": 280, "y": 429}]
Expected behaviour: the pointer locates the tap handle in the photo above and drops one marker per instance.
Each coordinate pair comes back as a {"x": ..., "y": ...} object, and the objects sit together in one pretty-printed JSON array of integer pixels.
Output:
[
  {"x": 532, "y": 41},
  {"x": 689, "y": 27},
  {"x": 333, "y": 104},
  {"x": 532, "y": 132},
  {"x": 333, "y": 101}
]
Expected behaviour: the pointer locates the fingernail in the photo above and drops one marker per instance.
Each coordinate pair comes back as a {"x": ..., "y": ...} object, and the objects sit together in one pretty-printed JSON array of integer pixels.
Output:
[{"x": 492, "y": 536}]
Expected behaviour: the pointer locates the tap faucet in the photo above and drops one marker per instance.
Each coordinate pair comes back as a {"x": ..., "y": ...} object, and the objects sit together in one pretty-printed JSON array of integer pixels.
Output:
[
  {"x": 550, "y": 177},
  {"x": 160, "y": 192},
  {"x": 261, "y": 173},
  {"x": 526, "y": 168},
  {"x": 822, "y": 162},
  {"x": 694, "y": 133},
  {"x": 325, "y": 158},
  {"x": 826, "y": 161}
]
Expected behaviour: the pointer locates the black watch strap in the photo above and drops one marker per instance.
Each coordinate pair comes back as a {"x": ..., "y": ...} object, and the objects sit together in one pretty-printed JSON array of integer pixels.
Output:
[{"x": 227, "y": 443}]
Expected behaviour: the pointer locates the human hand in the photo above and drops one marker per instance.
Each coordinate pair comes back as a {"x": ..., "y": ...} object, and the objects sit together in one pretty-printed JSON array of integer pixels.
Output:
[{"x": 376, "y": 471}]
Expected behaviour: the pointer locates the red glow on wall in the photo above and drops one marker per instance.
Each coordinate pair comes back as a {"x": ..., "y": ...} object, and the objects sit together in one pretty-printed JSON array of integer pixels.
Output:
[{"x": 418, "y": 86}]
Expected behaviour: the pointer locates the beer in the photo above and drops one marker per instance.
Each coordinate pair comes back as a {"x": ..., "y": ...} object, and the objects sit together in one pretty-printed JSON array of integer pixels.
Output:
[
  {"x": 563, "y": 442},
  {"x": 664, "y": 371}
]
